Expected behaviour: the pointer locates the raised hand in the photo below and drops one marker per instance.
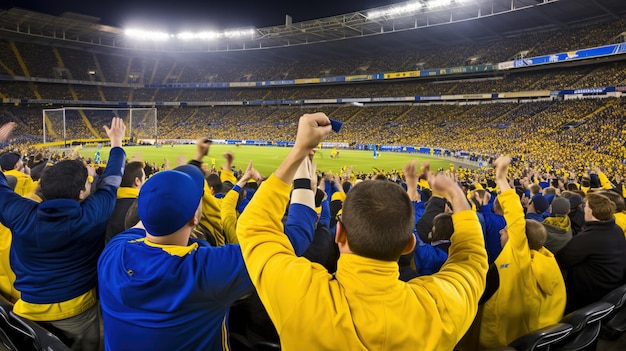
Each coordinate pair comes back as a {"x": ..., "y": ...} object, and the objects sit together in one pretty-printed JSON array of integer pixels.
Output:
[
  {"x": 116, "y": 132},
  {"x": 6, "y": 130},
  {"x": 202, "y": 148},
  {"x": 501, "y": 165},
  {"x": 312, "y": 128}
]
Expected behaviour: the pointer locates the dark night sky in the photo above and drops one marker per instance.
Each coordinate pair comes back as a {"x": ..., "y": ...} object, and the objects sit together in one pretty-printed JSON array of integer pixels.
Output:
[{"x": 175, "y": 15}]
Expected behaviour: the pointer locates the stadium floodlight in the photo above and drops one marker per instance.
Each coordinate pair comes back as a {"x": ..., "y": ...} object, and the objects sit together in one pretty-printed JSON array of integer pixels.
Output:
[
  {"x": 199, "y": 36},
  {"x": 146, "y": 35},
  {"x": 438, "y": 3},
  {"x": 235, "y": 33},
  {"x": 238, "y": 33},
  {"x": 396, "y": 11},
  {"x": 411, "y": 8}
]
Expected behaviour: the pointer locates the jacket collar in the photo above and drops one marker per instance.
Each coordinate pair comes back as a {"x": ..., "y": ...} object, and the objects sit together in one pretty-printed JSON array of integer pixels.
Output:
[{"x": 366, "y": 275}]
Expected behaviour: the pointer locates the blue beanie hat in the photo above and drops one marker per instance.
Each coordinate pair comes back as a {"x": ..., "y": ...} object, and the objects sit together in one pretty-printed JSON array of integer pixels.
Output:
[
  {"x": 540, "y": 202},
  {"x": 169, "y": 199}
]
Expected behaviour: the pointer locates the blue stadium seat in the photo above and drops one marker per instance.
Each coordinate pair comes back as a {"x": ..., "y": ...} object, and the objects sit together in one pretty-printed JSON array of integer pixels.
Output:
[
  {"x": 586, "y": 323},
  {"x": 543, "y": 338}
]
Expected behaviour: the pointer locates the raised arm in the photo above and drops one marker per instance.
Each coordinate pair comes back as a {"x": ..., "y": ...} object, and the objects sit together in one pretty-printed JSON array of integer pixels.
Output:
[
  {"x": 463, "y": 276},
  {"x": 513, "y": 211},
  {"x": 267, "y": 251},
  {"x": 211, "y": 217},
  {"x": 229, "y": 206},
  {"x": 301, "y": 217}
]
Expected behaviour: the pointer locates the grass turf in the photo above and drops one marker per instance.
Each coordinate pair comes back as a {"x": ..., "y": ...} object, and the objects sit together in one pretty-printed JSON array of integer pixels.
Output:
[{"x": 266, "y": 159}]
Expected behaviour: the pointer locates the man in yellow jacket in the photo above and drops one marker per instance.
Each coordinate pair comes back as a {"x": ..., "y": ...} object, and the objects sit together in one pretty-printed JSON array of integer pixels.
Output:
[
  {"x": 364, "y": 306},
  {"x": 12, "y": 164},
  {"x": 531, "y": 294}
]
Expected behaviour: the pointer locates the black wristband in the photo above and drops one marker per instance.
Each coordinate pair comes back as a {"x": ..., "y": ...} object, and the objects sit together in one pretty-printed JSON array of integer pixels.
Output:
[
  {"x": 302, "y": 183},
  {"x": 196, "y": 163}
]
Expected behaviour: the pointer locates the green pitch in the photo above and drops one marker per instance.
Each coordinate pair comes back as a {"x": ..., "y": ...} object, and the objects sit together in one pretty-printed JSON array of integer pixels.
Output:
[{"x": 266, "y": 159}]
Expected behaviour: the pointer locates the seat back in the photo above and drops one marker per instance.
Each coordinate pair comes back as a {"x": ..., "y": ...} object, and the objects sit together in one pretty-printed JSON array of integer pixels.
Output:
[
  {"x": 617, "y": 297},
  {"x": 266, "y": 346},
  {"x": 615, "y": 324},
  {"x": 542, "y": 339},
  {"x": 13, "y": 336},
  {"x": 586, "y": 323},
  {"x": 38, "y": 338},
  {"x": 6, "y": 331}
]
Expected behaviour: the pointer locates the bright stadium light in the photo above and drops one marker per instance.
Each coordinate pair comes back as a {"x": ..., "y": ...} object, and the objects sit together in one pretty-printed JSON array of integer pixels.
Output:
[
  {"x": 188, "y": 36},
  {"x": 198, "y": 36},
  {"x": 396, "y": 11},
  {"x": 238, "y": 33},
  {"x": 146, "y": 35},
  {"x": 438, "y": 3},
  {"x": 412, "y": 7}
]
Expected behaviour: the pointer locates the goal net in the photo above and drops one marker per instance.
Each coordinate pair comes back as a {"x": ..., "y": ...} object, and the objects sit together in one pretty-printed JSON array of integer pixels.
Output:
[{"x": 84, "y": 123}]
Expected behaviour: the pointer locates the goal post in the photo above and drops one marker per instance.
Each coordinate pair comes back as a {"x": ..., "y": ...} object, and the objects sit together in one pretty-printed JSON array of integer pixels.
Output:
[{"x": 80, "y": 123}]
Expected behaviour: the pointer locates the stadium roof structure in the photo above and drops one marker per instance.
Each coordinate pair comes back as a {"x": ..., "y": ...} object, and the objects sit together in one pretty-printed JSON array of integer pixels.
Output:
[{"x": 462, "y": 21}]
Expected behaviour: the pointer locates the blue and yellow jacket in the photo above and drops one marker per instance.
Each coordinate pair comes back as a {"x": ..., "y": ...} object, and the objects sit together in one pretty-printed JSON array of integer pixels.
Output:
[
  {"x": 364, "y": 306},
  {"x": 56, "y": 245},
  {"x": 25, "y": 184},
  {"x": 532, "y": 291},
  {"x": 168, "y": 297}
]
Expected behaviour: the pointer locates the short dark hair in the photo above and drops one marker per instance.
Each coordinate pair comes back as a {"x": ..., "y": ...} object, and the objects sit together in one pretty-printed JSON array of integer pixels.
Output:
[
  {"x": 131, "y": 171},
  {"x": 378, "y": 219},
  {"x": 380, "y": 177},
  {"x": 572, "y": 186},
  {"x": 64, "y": 180},
  {"x": 443, "y": 227},
  {"x": 214, "y": 182}
]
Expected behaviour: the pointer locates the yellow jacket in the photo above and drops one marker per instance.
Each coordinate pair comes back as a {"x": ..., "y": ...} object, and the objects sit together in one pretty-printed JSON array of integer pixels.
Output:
[
  {"x": 25, "y": 184},
  {"x": 364, "y": 306},
  {"x": 532, "y": 291},
  {"x": 211, "y": 218},
  {"x": 7, "y": 277},
  {"x": 620, "y": 220},
  {"x": 229, "y": 215}
]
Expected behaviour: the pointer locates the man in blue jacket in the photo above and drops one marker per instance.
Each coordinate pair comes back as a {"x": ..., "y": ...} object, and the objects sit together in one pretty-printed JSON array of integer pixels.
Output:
[
  {"x": 56, "y": 243},
  {"x": 161, "y": 290}
]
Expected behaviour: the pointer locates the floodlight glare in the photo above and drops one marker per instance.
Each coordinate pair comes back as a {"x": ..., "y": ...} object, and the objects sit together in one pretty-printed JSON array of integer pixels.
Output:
[
  {"x": 199, "y": 36},
  {"x": 146, "y": 35},
  {"x": 438, "y": 3},
  {"x": 238, "y": 33},
  {"x": 395, "y": 11}
]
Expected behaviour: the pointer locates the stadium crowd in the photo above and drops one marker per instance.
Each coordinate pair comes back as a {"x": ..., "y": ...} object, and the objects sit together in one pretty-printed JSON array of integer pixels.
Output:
[
  {"x": 195, "y": 256},
  {"x": 420, "y": 247}
]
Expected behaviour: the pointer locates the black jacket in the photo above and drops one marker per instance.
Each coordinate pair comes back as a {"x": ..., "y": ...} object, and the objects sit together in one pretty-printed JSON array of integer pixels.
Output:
[
  {"x": 116, "y": 225},
  {"x": 594, "y": 261},
  {"x": 577, "y": 217},
  {"x": 434, "y": 206}
]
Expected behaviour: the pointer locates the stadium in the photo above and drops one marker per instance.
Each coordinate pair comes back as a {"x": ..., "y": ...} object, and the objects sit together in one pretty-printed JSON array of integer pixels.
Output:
[{"x": 455, "y": 84}]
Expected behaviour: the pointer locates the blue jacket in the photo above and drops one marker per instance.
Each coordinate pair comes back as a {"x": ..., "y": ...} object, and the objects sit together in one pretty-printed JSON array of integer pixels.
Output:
[
  {"x": 493, "y": 224},
  {"x": 56, "y": 243},
  {"x": 153, "y": 299}
]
